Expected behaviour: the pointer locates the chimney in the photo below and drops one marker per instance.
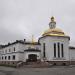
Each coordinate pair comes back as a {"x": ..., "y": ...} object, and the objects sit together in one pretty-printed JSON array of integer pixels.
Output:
[
  {"x": 24, "y": 40},
  {"x": 9, "y": 43}
]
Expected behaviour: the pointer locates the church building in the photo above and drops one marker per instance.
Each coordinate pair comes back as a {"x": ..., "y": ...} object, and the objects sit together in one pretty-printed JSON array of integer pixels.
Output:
[{"x": 52, "y": 47}]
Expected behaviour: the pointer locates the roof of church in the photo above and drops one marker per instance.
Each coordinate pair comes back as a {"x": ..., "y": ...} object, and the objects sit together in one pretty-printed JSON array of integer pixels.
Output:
[
  {"x": 54, "y": 32},
  {"x": 32, "y": 50},
  {"x": 54, "y": 36},
  {"x": 19, "y": 41}
]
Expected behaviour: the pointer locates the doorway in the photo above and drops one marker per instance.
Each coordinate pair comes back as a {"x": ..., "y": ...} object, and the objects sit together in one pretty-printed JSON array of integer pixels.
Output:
[{"x": 32, "y": 57}]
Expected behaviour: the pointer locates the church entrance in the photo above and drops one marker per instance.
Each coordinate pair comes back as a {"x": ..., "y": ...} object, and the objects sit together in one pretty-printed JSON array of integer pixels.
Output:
[{"x": 32, "y": 57}]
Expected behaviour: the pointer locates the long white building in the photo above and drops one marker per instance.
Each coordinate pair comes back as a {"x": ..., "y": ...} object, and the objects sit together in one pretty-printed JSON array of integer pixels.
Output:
[{"x": 52, "y": 47}]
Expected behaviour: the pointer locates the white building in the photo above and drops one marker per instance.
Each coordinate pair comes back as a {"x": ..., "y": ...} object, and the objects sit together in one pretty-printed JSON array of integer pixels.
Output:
[
  {"x": 52, "y": 47},
  {"x": 19, "y": 51}
]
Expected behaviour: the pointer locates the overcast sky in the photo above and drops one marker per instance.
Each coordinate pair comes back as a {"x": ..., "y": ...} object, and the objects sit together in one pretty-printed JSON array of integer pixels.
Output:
[{"x": 21, "y": 19}]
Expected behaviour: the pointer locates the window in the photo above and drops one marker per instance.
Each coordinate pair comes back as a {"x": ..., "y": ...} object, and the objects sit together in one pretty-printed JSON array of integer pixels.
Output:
[
  {"x": 13, "y": 57},
  {"x": 8, "y": 57},
  {"x": 14, "y": 49},
  {"x": 5, "y": 57},
  {"x": 9, "y": 50},
  {"x": 2, "y": 57},
  {"x": 54, "y": 50},
  {"x": 5, "y": 51},
  {"x": 62, "y": 52},
  {"x": 44, "y": 55},
  {"x": 59, "y": 50}
]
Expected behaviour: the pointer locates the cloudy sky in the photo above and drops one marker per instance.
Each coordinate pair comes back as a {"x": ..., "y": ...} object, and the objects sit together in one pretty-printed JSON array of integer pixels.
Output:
[{"x": 21, "y": 19}]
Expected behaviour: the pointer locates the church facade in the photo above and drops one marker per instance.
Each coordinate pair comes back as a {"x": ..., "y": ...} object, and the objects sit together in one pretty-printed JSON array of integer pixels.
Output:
[{"x": 52, "y": 47}]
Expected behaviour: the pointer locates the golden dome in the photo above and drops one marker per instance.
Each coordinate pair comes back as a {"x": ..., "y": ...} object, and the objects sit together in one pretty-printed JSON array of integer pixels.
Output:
[{"x": 54, "y": 32}]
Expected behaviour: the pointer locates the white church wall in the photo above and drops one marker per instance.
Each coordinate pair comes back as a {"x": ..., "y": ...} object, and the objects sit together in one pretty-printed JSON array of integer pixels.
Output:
[
  {"x": 41, "y": 41},
  {"x": 28, "y": 46},
  {"x": 72, "y": 54},
  {"x": 49, "y": 42}
]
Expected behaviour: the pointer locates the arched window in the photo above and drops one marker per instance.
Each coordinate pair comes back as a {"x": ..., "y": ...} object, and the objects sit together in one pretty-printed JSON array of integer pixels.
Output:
[
  {"x": 13, "y": 57},
  {"x": 62, "y": 52},
  {"x": 2, "y": 57},
  {"x": 9, "y": 50},
  {"x": 5, "y": 57},
  {"x": 8, "y": 57},
  {"x": 14, "y": 49},
  {"x": 5, "y": 51},
  {"x": 44, "y": 55},
  {"x": 54, "y": 49},
  {"x": 58, "y": 49}
]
